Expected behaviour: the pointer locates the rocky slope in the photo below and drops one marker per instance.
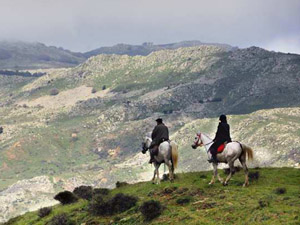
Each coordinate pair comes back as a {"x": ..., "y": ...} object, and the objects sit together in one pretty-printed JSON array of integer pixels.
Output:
[{"x": 90, "y": 131}]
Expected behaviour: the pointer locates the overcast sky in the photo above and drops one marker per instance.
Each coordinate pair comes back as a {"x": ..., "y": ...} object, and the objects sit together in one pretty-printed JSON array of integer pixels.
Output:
[{"x": 82, "y": 25}]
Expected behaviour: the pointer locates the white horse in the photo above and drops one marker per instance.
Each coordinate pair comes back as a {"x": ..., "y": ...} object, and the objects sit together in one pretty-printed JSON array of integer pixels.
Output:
[
  {"x": 232, "y": 152},
  {"x": 167, "y": 153}
]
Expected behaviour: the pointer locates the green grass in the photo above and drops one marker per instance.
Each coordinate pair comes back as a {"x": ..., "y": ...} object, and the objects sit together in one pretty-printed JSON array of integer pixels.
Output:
[{"x": 216, "y": 204}]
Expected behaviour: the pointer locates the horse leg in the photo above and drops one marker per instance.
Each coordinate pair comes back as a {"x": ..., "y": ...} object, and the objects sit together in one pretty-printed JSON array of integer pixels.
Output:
[
  {"x": 215, "y": 173},
  {"x": 169, "y": 164},
  {"x": 153, "y": 179},
  {"x": 157, "y": 174},
  {"x": 231, "y": 166},
  {"x": 220, "y": 178},
  {"x": 243, "y": 162}
]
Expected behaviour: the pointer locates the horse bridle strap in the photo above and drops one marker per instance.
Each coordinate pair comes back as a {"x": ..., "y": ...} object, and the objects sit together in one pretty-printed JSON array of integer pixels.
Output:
[
  {"x": 199, "y": 135},
  {"x": 208, "y": 143}
]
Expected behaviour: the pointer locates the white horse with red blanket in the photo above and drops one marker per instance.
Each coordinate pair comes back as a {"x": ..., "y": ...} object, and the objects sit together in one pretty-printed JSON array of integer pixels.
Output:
[{"x": 232, "y": 151}]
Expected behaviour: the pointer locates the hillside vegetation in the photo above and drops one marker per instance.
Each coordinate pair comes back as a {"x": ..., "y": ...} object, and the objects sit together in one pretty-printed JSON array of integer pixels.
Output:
[
  {"x": 24, "y": 55},
  {"x": 273, "y": 197},
  {"x": 84, "y": 125}
]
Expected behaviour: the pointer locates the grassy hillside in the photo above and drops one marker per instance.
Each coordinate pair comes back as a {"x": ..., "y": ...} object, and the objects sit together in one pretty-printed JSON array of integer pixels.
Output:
[
  {"x": 90, "y": 130},
  {"x": 273, "y": 197}
]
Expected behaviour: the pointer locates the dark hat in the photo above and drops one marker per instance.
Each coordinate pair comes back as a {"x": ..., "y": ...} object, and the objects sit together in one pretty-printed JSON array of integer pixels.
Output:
[
  {"x": 223, "y": 118},
  {"x": 159, "y": 120}
]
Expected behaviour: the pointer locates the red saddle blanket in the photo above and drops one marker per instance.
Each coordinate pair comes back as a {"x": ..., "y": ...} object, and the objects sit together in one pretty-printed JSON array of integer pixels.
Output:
[{"x": 221, "y": 148}]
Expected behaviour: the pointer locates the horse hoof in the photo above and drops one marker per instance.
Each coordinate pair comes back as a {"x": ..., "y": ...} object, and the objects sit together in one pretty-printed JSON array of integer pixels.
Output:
[
  {"x": 225, "y": 184},
  {"x": 210, "y": 183}
]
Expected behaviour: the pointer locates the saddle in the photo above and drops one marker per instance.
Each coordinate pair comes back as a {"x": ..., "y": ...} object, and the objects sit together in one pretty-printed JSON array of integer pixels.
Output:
[
  {"x": 222, "y": 147},
  {"x": 156, "y": 147}
]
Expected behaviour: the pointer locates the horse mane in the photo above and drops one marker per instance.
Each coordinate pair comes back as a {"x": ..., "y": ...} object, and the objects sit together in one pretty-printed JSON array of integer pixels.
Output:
[{"x": 205, "y": 135}]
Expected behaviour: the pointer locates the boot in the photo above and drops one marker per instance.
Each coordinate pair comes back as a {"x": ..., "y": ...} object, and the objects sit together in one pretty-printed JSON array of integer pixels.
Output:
[
  {"x": 151, "y": 158},
  {"x": 213, "y": 159}
]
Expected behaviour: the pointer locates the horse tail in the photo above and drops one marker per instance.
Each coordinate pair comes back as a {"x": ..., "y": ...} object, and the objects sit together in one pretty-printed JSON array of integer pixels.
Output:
[
  {"x": 174, "y": 151},
  {"x": 247, "y": 150}
]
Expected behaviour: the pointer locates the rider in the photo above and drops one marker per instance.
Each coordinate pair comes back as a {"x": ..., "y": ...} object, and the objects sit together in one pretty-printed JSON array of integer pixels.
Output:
[
  {"x": 222, "y": 135},
  {"x": 159, "y": 134}
]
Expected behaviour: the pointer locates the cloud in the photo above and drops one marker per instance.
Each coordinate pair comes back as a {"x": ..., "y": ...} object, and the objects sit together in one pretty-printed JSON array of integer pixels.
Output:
[
  {"x": 86, "y": 24},
  {"x": 285, "y": 44}
]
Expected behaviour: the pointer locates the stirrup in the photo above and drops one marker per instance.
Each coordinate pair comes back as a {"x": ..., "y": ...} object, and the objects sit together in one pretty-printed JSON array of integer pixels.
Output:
[{"x": 212, "y": 160}]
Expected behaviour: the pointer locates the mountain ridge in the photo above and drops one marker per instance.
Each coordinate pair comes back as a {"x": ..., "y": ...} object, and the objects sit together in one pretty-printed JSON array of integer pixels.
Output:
[{"x": 100, "y": 110}]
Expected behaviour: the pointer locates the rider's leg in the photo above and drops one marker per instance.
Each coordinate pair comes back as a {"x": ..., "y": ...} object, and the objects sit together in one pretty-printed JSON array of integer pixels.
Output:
[
  {"x": 153, "y": 152},
  {"x": 213, "y": 150}
]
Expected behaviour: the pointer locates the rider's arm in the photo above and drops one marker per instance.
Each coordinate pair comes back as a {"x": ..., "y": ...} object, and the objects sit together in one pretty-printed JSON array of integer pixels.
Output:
[{"x": 217, "y": 133}]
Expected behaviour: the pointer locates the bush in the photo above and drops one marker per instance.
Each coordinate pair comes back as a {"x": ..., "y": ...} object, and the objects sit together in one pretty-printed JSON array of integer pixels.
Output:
[
  {"x": 94, "y": 90},
  {"x": 280, "y": 191},
  {"x": 101, "y": 191},
  {"x": 103, "y": 87},
  {"x": 54, "y": 91},
  {"x": 84, "y": 192},
  {"x": 61, "y": 219},
  {"x": 263, "y": 203},
  {"x": 121, "y": 184},
  {"x": 151, "y": 209},
  {"x": 44, "y": 211},
  {"x": 183, "y": 200},
  {"x": 66, "y": 197},
  {"x": 119, "y": 203},
  {"x": 254, "y": 175}
]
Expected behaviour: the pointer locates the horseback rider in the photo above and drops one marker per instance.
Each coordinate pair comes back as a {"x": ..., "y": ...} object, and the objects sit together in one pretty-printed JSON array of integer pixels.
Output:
[
  {"x": 222, "y": 136},
  {"x": 159, "y": 134}
]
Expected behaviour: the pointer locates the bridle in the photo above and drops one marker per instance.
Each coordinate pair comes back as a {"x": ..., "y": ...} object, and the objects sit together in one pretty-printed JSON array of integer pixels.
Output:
[
  {"x": 144, "y": 147},
  {"x": 201, "y": 143}
]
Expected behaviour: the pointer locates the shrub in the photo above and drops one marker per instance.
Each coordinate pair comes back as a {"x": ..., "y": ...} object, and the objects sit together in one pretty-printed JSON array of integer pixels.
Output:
[
  {"x": 103, "y": 87},
  {"x": 119, "y": 203},
  {"x": 84, "y": 192},
  {"x": 54, "y": 91},
  {"x": 66, "y": 197},
  {"x": 61, "y": 219},
  {"x": 101, "y": 191},
  {"x": 280, "y": 191},
  {"x": 151, "y": 209},
  {"x": 263, "y": 203},
  {"x": 121, "y": 184},
  {"x": 254, "y": 175},
  {"x": 169, "y": 190},
  {"x": 94, "y": 90},
  {"x": 183, "y": 200},
  {"x": 44, "y": 211}
]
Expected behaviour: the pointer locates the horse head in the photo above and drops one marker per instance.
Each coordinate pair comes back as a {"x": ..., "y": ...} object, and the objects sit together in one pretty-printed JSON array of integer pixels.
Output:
[
  {"x": 146, "y": 144},
  {"x": 198, "y": 141}
]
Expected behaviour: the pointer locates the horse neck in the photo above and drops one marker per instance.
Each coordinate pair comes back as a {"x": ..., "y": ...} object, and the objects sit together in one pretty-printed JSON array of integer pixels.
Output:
[{"x": 207, "y": 141}]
